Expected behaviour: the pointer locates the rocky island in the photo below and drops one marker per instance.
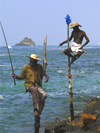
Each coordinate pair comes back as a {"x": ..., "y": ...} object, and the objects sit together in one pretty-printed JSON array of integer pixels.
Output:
[{"x": 26, "y": 42}]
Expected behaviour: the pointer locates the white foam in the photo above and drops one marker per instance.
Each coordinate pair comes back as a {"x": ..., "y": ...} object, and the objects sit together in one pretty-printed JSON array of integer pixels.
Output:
[
  {"x": 53, "y": 94},
  {"x": 1, "y": 97},
  {"x": 61, "y": 71},
  {"x": 2, "y": 65},
  {"x": 3, "y": 54},
  {"x": 9, "y": 47}
]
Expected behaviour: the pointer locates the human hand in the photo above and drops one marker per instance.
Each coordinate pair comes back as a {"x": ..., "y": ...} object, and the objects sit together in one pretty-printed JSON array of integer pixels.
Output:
[
  {"x": 46, "y": 79},
  {"x": 60, "y": 44},
  {"x": 14, "y": 75}
]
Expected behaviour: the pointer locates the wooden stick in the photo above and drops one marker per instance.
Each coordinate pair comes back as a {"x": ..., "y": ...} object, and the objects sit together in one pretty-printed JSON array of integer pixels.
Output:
[
  {"x": 8, "y": 51},
  {"x": 70, "y": 81},
  {"x": 37, "y": 118},
  {"x": 37, "y": 124},
  {"x": 44, "y": 53}
]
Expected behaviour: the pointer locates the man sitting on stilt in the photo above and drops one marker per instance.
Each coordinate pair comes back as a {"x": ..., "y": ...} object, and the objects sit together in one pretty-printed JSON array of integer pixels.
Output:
[{"x": 76, "y": 47}]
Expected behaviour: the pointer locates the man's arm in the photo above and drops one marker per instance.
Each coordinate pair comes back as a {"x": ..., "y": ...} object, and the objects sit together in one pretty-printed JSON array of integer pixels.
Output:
[
  {"x": 66, "y": 41},
  {"x": 87, "y": 40},
  {"x": 17, "y": 77},
  {"x": 46, "y": 77},
  {"x": 21, "y": 76}
]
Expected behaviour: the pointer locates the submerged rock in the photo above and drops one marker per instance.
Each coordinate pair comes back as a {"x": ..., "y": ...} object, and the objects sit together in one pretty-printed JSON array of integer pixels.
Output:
[{"x": 89, "y": 121}]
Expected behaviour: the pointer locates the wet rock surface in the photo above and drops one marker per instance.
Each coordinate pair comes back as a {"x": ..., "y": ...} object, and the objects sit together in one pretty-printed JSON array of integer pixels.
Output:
[{"x": 89, "y": 121}]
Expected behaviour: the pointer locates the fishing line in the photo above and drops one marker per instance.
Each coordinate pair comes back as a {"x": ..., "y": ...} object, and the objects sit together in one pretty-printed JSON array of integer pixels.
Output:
[{"x": 49, "y": 50}]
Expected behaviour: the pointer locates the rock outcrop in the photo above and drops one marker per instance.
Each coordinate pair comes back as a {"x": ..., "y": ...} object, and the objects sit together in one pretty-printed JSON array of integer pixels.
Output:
[{"x": 88, "y": 121}]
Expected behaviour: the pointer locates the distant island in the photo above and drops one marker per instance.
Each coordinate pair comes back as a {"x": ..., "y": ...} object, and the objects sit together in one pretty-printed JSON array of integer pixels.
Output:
[{"x": 26, "y": 42}]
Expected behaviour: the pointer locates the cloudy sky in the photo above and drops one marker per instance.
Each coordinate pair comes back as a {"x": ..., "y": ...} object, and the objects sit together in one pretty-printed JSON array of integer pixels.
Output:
[{"x": 36, "y": 18}]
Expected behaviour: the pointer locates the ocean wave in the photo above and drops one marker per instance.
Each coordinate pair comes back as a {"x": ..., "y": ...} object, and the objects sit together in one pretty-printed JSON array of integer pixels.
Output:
[
  {"x": 5, "y": 65},
  {"x": 14, "y": 96},
  {"x": 54, "y": 95},
  {"x": 2, "y": 65}
]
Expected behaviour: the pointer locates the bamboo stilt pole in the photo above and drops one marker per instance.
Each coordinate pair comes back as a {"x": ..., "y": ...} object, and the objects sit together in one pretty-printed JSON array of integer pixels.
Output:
[
  {"x": 70, "y": 81},
  {"x": 37, "y": 124},
  {"x": 37, "y": 118},
  {"x": 44, "y": 53}
]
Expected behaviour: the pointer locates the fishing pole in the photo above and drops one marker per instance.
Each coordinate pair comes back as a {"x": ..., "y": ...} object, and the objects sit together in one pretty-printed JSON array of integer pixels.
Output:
[
  {"x": 8, "y": 52},
  {"x": 49, "y": 50}
]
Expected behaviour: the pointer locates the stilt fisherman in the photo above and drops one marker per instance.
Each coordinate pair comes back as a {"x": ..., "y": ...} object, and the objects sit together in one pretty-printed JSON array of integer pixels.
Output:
[
  {"x": 33, "y": 74},
  {"x": 76, "y": 47}
]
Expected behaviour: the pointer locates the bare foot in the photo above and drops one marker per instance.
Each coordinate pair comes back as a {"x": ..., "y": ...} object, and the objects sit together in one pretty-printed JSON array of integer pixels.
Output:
[
  {"x": 61, "y": 50},
  {"x": 35, "y": 112}
]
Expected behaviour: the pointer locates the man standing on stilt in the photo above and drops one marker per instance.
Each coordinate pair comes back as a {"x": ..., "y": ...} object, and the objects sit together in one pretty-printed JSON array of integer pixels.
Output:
[{"x": 33, "y": 74}]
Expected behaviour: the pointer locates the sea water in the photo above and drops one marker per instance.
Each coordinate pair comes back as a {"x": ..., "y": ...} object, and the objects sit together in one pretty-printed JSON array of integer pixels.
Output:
[{"x": 16, "y": 111}]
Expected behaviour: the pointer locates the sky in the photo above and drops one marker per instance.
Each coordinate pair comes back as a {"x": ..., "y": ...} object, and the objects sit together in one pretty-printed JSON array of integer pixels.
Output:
[{"x": 36, "y": 18}]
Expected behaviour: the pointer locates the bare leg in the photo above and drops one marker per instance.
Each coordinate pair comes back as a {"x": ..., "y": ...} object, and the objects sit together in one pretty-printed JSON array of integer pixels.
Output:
[
  {"x": 67, "y": 52},
  {"x": 37, "y": 123},
  {"x": 75, "y": 57}
]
